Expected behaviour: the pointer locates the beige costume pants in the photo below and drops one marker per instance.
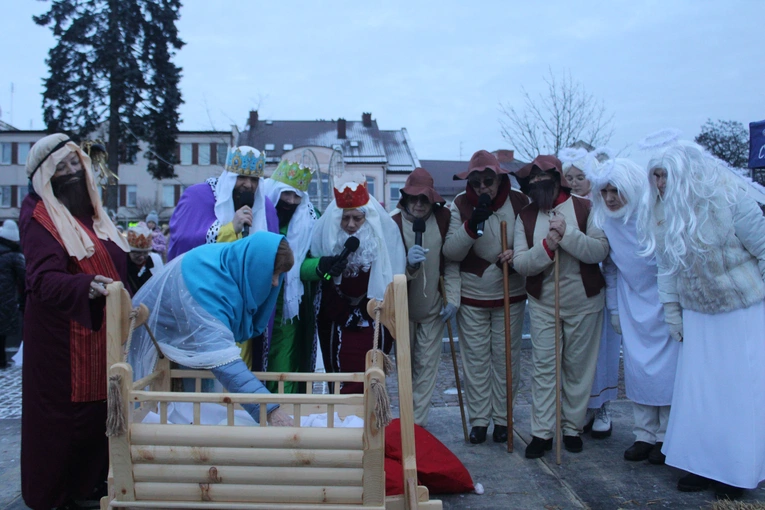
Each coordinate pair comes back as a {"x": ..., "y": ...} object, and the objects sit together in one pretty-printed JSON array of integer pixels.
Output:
[
  {"x": 650, "y": 422},
  {"x": 580, "y": 344},
  {"x": 482, "y": 345},
  {"x": 426, "y": 339}
]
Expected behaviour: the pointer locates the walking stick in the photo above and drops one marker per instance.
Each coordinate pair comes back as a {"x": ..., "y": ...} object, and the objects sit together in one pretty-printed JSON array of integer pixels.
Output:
[
  {"x": 454, "y": 362},
  {"x": 557, "y": 359},
  {"x": 508, "y": 340}
]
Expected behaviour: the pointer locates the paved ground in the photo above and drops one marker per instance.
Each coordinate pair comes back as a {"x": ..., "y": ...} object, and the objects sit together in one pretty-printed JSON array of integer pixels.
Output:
[{"x": 597, "y": 478}]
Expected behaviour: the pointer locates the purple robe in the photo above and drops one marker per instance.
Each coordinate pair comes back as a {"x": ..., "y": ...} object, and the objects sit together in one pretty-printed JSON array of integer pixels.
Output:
[
  {"x": 64, "y": 449},
  {"x": 195, "y": 214}
]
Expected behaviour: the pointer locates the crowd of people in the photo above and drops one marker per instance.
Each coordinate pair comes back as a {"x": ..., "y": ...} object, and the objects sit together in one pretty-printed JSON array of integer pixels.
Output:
[{"x": 665, "y": 264}]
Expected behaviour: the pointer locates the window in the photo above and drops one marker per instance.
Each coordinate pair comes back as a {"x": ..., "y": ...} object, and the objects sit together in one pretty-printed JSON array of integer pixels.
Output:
[
  {"x": 23, "y": 153},
  {"x": 221, "y": 154},
  {"x": 21, "y": 193},
  {"x": 287, "y": 146},
  {"x": 168, "y": 195},
  {"x": 5, "y": 155},
  {"x": 395, "y": 192},
  {"x": 371, "y": 185},
  {"x": 5, "y": 195},
  {"x": 326, "y": 193},
  {"x": 270, "y": 146},
  {"x": 204, "y": 154},
  {"x": 132, "y": 195},
  {"x": 185, "y": 154}
]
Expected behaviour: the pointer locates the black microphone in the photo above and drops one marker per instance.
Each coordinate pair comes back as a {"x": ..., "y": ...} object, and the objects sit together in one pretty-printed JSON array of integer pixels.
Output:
[
  {"x": 418, "y": 227},
  {"x": 246, "y": 198},
  {"x": 351, "y": 245},
  {"x": 483, "y": 201}
]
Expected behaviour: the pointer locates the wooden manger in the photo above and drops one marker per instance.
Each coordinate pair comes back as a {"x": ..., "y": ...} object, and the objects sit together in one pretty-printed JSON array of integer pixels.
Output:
[{"x": 163, "y": 465}]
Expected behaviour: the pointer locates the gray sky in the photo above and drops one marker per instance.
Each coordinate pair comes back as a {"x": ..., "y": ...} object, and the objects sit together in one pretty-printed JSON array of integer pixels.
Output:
[{"x": 439, "y": 68}]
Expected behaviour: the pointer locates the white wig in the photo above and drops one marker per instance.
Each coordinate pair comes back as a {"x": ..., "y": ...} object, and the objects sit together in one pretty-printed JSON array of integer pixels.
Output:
[
  {"x": 629, "y": 180},
  {"x": 697, "y": 185},
  {"x": 577, "y": 157}
]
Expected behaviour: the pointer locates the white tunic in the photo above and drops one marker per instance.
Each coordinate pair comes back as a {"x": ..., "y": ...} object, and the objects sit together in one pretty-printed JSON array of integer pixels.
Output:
[{"x": 650, "y": 354}]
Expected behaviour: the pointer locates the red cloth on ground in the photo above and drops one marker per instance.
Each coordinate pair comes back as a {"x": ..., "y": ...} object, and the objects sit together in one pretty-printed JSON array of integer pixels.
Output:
[{"x": 438, "y": 468}]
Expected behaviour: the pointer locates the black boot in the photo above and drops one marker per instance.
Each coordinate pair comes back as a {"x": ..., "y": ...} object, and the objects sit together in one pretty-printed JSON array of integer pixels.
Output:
[
  {"x": 573, "y": 444},
  {"x": 499, "y": 434},
  {"x": 656, "y": 457},
  {"x": 724, "y": 491},
  {"x": 478, "y": 435},
  {"x": 640, "y": 450},
  {"x": 692, "y": 483},
  {"x": 537, "y": 447}
]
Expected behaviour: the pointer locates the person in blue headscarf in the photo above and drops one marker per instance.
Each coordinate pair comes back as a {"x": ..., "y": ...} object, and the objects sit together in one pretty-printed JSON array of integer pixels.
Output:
[{"x": 208, "y": 299}]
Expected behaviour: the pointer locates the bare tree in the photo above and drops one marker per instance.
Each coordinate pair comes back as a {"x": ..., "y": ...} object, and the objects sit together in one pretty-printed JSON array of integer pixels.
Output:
[
  {"x": 144, "y": 206},
  {"x": 560, "y": 116}
]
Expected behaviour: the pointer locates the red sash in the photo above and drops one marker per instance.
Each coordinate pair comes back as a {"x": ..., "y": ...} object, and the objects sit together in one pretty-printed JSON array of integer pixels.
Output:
[{"x": 87, "y": 348}]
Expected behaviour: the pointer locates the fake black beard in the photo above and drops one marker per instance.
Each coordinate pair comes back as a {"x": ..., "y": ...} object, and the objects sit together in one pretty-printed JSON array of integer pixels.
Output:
[
  {"x": 242, "y": 198},
  {"x": 543, "y": 193},
  {"x": 284, "y": 211},
  {"x": 72, "y": 191}
]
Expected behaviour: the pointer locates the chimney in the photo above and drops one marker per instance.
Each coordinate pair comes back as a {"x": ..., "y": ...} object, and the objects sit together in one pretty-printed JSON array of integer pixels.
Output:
[
  {"x": 366, "y": 119},
  {"x": 341, "y": 128},
  {"x": 253, "y": 122}
]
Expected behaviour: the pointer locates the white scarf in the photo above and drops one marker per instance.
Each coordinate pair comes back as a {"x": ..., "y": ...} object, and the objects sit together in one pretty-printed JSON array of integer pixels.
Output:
[
  {"x": 299, "y": 234},
  {"x": 390, "y": 261},
  {"x": 224, "y": 202}
]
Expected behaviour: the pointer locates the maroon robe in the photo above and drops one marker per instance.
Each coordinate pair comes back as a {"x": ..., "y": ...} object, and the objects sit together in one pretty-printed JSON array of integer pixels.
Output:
[
  {"x": 344, "y": 343},
  {"x": 64, "y": 449}
]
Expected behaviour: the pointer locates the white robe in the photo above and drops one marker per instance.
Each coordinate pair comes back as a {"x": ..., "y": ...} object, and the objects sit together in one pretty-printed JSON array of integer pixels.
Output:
[
  {"x": 605, "y": 385},
  {"x": 650, "y": 354}
]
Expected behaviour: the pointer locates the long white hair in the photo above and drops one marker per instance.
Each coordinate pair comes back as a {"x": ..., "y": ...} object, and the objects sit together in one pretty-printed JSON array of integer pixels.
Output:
[
  {"x": 698, "y": 185},
  {"x": 629, "y": 180}
]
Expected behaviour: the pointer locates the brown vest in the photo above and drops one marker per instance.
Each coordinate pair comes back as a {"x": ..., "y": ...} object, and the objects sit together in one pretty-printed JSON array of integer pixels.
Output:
[
  {"x": 592, "y": 278},
  {"x": 443, "y": 216},
  {"x": 472, "y": 263}
]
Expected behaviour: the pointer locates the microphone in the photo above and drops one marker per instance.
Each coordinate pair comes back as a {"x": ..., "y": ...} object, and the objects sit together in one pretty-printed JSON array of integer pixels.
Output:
[
  {"x": 351, "y": 245},
  {"x": 246, "y": 198},
  {"x": 418, "y": 226},
  {"x": 483, "y": 201}
]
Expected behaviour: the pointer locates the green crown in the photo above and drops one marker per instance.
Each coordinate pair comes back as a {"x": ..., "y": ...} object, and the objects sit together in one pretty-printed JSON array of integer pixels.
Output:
[{"x": 293, "y": 174}]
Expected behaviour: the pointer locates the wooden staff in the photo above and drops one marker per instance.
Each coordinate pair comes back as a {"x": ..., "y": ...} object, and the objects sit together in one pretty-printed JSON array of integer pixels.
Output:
[
  {"x": 557, "y": 359},
  {"x": 454, "y": 362},
  {"x": 508, "y": 339}
]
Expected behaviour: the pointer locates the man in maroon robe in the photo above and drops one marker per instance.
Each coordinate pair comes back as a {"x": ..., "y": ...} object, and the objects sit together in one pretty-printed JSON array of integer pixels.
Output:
[{"x": 72, "y": 250}]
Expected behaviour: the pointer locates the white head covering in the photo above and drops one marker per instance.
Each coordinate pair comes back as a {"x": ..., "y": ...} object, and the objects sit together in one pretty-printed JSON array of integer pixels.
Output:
[
  {"x": 390, "y": 261},
  {"x": 10, "y": 231},
  {"x": 224, "y": 202},
  {"x": 41, "y": 165},
  {"x": 627, "y": 177},
  {"x": 299, "y": 238}
]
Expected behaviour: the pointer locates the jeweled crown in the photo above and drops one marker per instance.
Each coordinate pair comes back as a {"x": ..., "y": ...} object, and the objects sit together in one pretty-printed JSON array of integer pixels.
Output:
[
  {"x": 138, "y": 240},
  {"x": 246, "y": 161},
  {"x": 350, "y": 197},
  {"x": 293, "y": 174}
]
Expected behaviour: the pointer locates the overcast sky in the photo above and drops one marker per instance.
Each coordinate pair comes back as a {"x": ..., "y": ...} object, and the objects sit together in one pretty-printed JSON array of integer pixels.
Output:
[{"x": 441, "y": 68}]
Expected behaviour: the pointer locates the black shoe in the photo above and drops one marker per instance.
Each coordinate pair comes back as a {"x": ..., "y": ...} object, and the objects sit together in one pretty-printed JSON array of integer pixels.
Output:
[
  {"x": 640, "y": 450},
  {"x": 500, "y": 434},
  {"x": 656, "y": 457},
  {"x": 724, "y": 491},
  {"x": 692, "y": 483},
  {"x": 537, "y": 447},
  {"x": 478, "y": 435},
  {"x": 572, "y": 443}
]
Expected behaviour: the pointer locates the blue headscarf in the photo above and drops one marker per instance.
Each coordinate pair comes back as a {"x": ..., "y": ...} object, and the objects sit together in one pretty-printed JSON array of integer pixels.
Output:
[{"x": 232, "y": 281}]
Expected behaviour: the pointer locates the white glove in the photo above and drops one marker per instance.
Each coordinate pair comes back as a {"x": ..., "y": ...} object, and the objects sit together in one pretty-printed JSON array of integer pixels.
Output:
[
  {"x": 673, "y": 316},
  {"x": 448, "y": 312},
  {"x": 416, "y": 255},
  {"x": 616, "y": 323}
]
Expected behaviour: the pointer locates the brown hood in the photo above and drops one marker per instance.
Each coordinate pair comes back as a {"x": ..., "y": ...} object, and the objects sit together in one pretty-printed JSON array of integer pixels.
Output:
[
  {"x": 544, "y": 163},
  {"x": 481, "y": 160},
  {"x": 420, "y": 182}
]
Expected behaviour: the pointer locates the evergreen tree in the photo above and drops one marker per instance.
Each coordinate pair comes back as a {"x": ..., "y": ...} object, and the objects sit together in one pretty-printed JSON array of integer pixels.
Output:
[{"x": 113, "y": 64}]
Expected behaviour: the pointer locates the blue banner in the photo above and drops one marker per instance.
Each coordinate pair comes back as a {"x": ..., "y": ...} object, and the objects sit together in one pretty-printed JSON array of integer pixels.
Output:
[{"x": 757, "y": 144}]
